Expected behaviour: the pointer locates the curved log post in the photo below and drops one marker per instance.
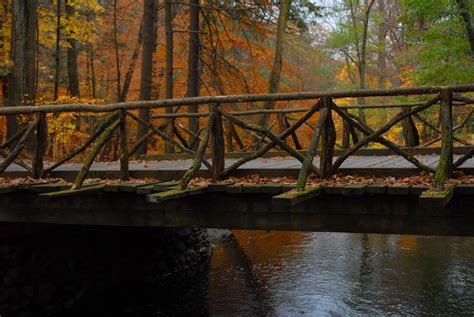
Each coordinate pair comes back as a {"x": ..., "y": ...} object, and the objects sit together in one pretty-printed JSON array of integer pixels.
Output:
[
  {"x": 104, "y": 137},
  {"x": 164, "y": 136},
  {"x": 124, "y": 169},
  {"x": 308, "y": 160},
  {"x": 272, "y": 144},
  {"x": 376, "y": 136},
  {"x": 108, "y": 120},
  {"x": 274, "y": 139},
  {"x": 410, "y": 132},
  {"x": 199, "y": 157},
  {"x": 294, "y": 137},
  {"x": 217, "y": 148},
  {"x": 40, "y": 146},
  {"x": 139, "y": 142},
  {"x": 445, "y": 165},
  {"x": 328, "y": 140},
  {"x": 19, "y": 147},
  {"x": 346, "y": 142},
  {"x": 463, "y": 158}
]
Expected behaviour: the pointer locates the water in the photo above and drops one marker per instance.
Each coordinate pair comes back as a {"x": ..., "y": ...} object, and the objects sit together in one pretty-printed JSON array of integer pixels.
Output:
[
  {"x": 258, "y": 273},
  {"x": 338, "y": 274}
]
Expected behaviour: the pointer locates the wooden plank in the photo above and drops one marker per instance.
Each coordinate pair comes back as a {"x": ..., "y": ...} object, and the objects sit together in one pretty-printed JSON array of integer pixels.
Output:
[
  {"x": 164, "y": 186},
  {"x": 234, "y": 189},
  {"x": 354, "y": 189},
  {"x": 145, "y": 190},
  {"x": 418, "y": 189},
  {"x": 4, "y": 189},
  {"x": 433, "y": 199},
  {"x": 295, "y": 197},
  {"x": 376, "y": 188},
  {"x": 175, "y": 194},
  {"x": 72, "y": 192},
  {"x": 464, "y": 189},
  {"x": 271, "y": 189},
  {"x": 53, "y": 187},
  {"x": 218, "y": 187},
  {"x": 332, "y": 189},
  {"x": 398, "y": 189}
]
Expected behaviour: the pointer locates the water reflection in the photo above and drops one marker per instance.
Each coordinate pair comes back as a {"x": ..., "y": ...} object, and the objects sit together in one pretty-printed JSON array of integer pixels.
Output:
[{"x": 339, "y": 274}]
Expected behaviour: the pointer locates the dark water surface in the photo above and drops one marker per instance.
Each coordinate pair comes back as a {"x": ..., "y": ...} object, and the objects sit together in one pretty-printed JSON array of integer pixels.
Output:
[
  {"x": 257, "y": 273},
  {"x": 338, "y": 274}
]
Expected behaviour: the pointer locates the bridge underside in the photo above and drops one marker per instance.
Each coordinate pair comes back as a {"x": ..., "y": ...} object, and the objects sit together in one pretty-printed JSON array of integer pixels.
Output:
[{"x": 367, "y": 213}]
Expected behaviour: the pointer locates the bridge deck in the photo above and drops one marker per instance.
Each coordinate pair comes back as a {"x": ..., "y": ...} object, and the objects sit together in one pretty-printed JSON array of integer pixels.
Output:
[{"x": 391, "y": 165}]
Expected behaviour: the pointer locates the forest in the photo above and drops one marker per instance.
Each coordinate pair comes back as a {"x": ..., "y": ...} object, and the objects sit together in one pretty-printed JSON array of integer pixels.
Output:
[{"x": 105, "y": 51}]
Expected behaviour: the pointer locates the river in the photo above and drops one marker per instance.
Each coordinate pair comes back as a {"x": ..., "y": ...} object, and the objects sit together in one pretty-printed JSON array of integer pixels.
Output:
[{"x": 259, "y": 273}]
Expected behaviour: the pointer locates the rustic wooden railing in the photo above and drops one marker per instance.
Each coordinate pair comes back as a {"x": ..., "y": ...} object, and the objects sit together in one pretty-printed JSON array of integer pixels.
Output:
[{"x": 213, "y": 134}]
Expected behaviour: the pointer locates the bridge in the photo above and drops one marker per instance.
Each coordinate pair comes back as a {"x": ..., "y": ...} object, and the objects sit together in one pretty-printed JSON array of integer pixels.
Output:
[{"x": 295, "y": 188}]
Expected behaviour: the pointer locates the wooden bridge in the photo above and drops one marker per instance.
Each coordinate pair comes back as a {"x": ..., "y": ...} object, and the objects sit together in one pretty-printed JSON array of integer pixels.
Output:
[{"x": 441, "y": 208}]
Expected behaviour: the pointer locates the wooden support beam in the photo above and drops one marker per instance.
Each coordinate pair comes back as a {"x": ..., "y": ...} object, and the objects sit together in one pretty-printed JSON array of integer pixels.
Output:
[
  {"x": 104, "y": 137},
  {"x": 124, "y": 168},
  {"x": 436, "y": 199},
  {"x": 376, "y": 189},
  {"x": 108, "y": 120},
  {"x": 445, "y": 166},
  {"x": 19, "y": 147},
  {"x": 5, "y": 189},
  {"x": 50, "y": 187},
  {"x": 308, "y": 160},
  {"x": 87, "y": 189},
  {"x": 40, "y": 146},
  {"x": 217, "y": 147},
  {"x": 272, "y": 144},
  {"x": 175, "y": 194},
  {"x": 295, "y": 197},
  {"x": 274, "y": 139},
  {"x": 328, "y": 140},
  {"x": 398, "y": 189},
  {"x": 376, "y": 135},
  {"x": 199, "y": 157}
]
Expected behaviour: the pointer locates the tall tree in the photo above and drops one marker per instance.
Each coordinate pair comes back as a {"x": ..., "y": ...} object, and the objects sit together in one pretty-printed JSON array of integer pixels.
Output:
[
  {"x": 149, "y": 45},
  {"x": 72, "y": 54},
  {"x": 57, "y": 51},
  {"x": 275, "y": 75},
  {"x": 193, "y": 66},
  {"x": 23, "y": 55},
  {"x": 169, "y": 67}
]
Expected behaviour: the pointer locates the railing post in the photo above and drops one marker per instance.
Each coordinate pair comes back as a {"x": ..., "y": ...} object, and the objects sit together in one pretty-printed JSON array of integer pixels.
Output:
[
  {"x": 445, "y": 165},
  {"x": 124, "y": 170},
  {"x": 40, "y": 146},
  {"x": 217, "y": 148},
  {"x": 328, "y": 139},
  {"x": 346, "y": 126}
]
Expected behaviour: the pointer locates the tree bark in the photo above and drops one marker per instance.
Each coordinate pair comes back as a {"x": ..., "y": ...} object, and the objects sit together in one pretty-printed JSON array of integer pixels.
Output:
[
  {"x": 57, "y": 51},
  {"x": 149, "y": 45},
  {"x": 169, "y": 68},
  {"x": 275, "y": 75},
  {"x": 131, "y": 67},
  {"x": 193, "y": 65},
  {"x": 72, "y": 54},
  {"x": 23, "y": 55},
  {"x": 117, "y": 58},
  {"x": 466, "y": 16}
]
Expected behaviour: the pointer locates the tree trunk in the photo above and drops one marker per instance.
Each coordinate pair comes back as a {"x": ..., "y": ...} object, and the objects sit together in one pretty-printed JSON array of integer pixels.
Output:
[
  {"x": 274, "y": 80},
  {"x": 92, "y": 72},
  {"x": 23, "y": 55},
  {"x": 117, "y": 59},
  {"x": 131, "y": 67},
  {"x": 56, "y": 57},
  {"x": 169, "y": 68},
  {"x": 149, "y": 45},
  {"x": 382, "y": 32},
  {"x": 193, "y": 66},
  {"x": 72, "y": 53},
  {"x": 466, "y": 16}
]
